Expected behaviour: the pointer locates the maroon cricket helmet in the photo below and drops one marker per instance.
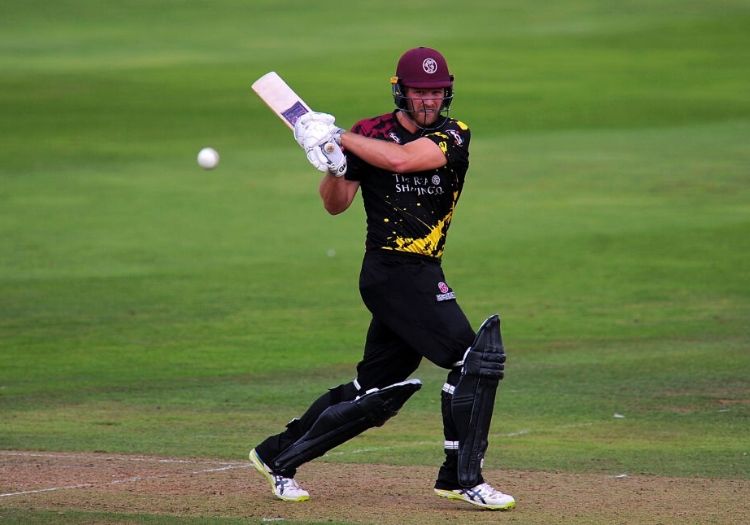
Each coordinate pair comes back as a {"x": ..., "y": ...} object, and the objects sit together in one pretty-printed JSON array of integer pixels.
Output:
[{"x": 421, "y": 67}]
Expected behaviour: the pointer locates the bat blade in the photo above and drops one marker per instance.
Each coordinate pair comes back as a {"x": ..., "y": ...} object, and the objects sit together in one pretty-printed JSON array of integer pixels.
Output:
[{"x": 282, "y": 99}]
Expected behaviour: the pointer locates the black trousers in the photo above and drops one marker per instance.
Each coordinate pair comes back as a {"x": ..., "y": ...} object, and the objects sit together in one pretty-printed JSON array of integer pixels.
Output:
[{"x": 414, "y": 315}]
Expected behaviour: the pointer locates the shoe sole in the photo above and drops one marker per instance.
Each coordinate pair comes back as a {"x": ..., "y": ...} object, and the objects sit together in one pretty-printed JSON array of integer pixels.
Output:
[
  {"x": 449, "y": 494},
  {"x": 261, "y": 467}
]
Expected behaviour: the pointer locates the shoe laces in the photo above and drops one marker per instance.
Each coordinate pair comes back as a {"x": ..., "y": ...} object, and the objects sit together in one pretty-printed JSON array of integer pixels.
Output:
[
  {"x": 487, "y": 489},
  {"x": 286, "y": 483}
]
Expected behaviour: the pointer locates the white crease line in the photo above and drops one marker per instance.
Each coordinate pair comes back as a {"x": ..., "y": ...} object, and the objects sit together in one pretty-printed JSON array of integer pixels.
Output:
[
  {"x": 51, "y": 489},
  {"x": 107, "y": 458},
  {"x": 221, "y": 469},
  {"x": 125, "y": 480}
]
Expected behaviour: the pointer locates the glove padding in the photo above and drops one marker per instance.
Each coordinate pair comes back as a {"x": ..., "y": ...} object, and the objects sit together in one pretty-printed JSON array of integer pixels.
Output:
[
  {"x": 315, "y": 132},
  {"x": 313, "y": 129},
  {"x": 333, "y": 162},
  {"x": 310, "y": 120}
]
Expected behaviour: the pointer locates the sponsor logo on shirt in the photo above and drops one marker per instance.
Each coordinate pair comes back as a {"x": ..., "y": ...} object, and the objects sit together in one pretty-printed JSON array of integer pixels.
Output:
[{"x": 418, "y": 185}]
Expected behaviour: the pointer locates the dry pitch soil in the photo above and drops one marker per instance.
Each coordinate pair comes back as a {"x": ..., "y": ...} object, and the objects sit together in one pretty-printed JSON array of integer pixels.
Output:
[{"x": 361, "y": 494}]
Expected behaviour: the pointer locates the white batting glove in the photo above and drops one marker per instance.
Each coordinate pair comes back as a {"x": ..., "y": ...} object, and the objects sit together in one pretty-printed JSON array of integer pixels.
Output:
[
  {"x": 311, "y": 124},
  {"x": 316, "y": 128},
  {"x": 336, "y": 159},
  {"x": 315, "y": 116},
  {"x": 317, "y": 159},
  {"x": 316, "y": 134},
  {"x": 333, "y": 161}
]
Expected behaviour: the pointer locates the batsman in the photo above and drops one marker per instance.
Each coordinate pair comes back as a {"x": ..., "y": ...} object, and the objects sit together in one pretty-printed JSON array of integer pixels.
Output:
[{"x": 410, "y": 165}]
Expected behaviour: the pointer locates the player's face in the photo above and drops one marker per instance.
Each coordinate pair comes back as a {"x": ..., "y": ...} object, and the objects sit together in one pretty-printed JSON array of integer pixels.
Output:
[{"x": 425, "y": 104}]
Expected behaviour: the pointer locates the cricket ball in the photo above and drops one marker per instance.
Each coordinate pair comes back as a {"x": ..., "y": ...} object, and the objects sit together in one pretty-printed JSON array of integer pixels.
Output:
[{"x": 208, "y": 158}]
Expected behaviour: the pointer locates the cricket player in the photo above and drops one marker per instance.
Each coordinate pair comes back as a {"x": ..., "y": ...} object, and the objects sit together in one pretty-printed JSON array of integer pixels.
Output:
[{"x": 410, "y": 165}]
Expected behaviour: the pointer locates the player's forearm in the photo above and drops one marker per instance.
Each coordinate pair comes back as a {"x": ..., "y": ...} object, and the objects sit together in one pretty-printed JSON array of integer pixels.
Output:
[
  {"x": 419, "y": 155},
  {"x": 378, "y": 153},
  {"x": 337, "y": 193}
]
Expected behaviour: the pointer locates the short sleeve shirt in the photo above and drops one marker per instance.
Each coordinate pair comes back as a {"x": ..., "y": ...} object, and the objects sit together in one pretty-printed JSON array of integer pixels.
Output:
[{"x": 411, "y": 212}]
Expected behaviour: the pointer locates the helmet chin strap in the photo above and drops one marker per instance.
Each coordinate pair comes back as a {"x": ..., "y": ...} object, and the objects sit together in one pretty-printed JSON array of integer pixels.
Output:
[{"x": 439, "y": 123}]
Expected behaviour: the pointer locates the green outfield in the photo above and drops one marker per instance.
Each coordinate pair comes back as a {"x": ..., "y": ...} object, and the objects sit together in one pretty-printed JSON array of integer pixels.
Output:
[{"x": 150, "y": 307}]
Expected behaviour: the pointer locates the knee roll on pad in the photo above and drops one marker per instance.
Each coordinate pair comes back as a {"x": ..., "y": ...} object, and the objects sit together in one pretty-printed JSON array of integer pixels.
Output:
[
  {"x": 345, "y": 392},
  {"x": 298, "y": 426},
  {"x": 474, "y": 398},
  {"x": 344, "y": 420}
]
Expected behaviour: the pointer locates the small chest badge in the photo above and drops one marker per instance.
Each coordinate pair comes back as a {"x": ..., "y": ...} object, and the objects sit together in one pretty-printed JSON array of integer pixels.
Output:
[{"x": 446, "y": 294}]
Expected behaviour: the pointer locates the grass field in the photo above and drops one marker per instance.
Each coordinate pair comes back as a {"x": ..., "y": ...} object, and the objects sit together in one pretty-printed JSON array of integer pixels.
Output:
[{"x": 149, "y": 307}]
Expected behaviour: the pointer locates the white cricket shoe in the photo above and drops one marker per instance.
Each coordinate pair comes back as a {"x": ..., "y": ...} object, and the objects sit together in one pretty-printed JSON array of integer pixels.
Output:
[
  {"x": 482, "y": 496},
  {"x": 283, "y": 488}
]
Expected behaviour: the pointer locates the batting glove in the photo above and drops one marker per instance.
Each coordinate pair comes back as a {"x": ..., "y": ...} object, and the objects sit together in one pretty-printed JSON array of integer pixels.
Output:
[
  {"x": 329, "y": 158},
  {"x": 336, "y": 159},
  {"x": 316, "y": 128}
]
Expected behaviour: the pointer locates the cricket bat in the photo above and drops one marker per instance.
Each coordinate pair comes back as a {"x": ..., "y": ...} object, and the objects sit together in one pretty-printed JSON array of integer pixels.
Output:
[{"x": 283, "y": 101}]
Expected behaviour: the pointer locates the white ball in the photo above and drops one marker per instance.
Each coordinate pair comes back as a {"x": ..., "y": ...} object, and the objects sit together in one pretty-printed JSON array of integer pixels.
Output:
[{"x": 208, "y": 158}]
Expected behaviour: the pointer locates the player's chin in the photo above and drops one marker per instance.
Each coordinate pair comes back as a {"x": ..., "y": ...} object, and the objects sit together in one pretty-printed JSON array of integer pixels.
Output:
[{"x": 428, "y": 118}]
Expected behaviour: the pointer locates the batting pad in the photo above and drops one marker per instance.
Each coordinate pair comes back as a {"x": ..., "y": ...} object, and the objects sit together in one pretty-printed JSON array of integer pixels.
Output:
[
  {"x": 474, "y": 399},
  {"x": 343, "y": 421}
]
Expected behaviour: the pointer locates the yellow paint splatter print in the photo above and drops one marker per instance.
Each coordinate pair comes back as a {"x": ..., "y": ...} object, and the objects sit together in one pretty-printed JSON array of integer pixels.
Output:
[{"x": 430, "y": 244}]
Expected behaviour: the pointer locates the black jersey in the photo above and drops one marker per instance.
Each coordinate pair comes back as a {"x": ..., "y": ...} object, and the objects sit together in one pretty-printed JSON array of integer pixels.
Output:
[{"x": 411, "y": 212}]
